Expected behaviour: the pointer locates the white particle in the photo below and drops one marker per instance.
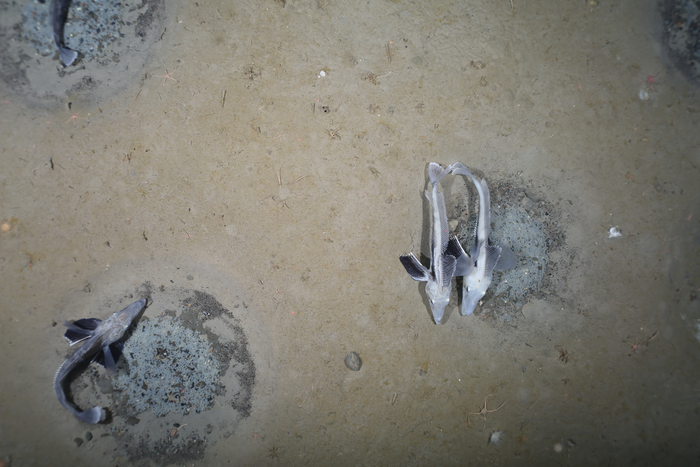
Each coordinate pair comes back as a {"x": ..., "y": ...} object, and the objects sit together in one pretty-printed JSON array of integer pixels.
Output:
[{"x": 614, "y": 232}]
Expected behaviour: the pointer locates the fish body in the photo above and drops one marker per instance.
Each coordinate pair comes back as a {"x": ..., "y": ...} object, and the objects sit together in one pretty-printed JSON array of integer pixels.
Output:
[
  {"x": 59, "y": 13},
  {"x": 484, "y": 256},
  {"x": 443, "y": 250},
  {"x": 97, "y": 336}
]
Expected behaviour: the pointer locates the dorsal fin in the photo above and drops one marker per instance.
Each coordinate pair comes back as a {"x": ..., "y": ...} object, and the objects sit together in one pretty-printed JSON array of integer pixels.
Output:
[
  {"x": 445, "y": 231},
  {"x": 507, "y": 259},
  {"x": 448, "y": 269},
  {"x": 493, "y": 253}
]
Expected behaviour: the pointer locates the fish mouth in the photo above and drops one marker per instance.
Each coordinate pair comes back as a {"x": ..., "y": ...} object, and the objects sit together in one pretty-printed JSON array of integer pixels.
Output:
[
  {"x": 438, "y": 299},
  {"x": 469, "y": 302},
  {"x": 438, "y": 311}
]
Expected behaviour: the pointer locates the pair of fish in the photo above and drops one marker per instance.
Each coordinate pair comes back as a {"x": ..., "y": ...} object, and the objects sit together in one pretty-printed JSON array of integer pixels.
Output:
[
  {"x": 447, "y": 257},
  {"x": 101, "y": 343}
]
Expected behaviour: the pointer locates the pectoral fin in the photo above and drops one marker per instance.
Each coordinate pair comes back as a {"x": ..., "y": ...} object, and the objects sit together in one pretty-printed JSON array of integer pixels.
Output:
[
  {"x": 507, "y": 259},
  {"x": 109, "y": 361},
  {"x": 116, "y": 350},
  {"x": 80, "y": 329},
  {"x": 414, "y": 268}
]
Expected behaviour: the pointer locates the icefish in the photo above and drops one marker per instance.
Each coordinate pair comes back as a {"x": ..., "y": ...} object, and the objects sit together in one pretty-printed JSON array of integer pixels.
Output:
[
  {"x": 444, "y": 252},
  {"x": 98, "y": 336},
  {"x": 484, "y": 256}
]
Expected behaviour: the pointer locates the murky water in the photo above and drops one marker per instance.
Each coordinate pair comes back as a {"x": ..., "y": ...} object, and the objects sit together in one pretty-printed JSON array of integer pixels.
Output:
[{"x": 212, "y": 155}]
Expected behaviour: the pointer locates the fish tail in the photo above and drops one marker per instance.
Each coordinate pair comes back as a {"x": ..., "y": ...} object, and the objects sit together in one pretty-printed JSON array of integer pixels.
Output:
[
  {"x": 68, "y": 56},
  {"x": 94, "y": 415},
  {"x": 436, "y": 172}
]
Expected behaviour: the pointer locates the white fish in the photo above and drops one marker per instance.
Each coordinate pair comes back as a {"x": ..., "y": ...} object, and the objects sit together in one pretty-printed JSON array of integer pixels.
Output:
[
  {"x": 484, "y": 256},
  {"x": 98, "y": 336},
  {"x": 443, "y": 251}
]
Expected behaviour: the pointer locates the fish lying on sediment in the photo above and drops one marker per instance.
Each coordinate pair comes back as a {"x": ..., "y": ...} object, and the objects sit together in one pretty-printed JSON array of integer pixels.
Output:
[{"x": 98, "y": 336}]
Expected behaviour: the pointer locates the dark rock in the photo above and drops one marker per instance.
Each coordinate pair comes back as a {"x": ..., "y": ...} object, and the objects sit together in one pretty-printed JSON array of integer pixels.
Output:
[{"x": 353, "y": 361}]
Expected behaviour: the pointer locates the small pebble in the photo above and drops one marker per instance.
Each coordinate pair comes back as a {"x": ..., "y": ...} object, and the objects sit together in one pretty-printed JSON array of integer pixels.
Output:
[
  {"x": 78, "y": 441},
  {"x": 353, "y": 361},
  {"x": 88, "y": 436}
]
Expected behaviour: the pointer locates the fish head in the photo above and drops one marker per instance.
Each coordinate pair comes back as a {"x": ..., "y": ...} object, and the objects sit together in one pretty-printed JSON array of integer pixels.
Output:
[
  {"x": 438, "y": 297},
  {"x": 477, "y": 283},
  {"x": 128, "y": 314},
  {"x": 474, "y": 289},
  {"x": 115, "y": 326}
]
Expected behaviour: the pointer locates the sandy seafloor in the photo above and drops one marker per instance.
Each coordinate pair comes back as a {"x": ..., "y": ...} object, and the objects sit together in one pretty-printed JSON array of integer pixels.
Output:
[{"x": 173, "y": 183}]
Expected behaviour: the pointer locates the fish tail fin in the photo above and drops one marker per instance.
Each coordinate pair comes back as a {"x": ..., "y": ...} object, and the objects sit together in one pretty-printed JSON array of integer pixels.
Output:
[
  {"x": 68, "y": 56},
  {"x": 436, "y": 172},
  {"x": 459, "y": 169},
  {"x": 94, "y": 415}
]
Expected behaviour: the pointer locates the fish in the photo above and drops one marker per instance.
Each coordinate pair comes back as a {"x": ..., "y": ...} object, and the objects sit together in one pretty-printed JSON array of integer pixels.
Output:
[
  {"x": 59, "y": 13},
  {"x": 444, "y": 251},
  {"x": 485, "y": 257},
  {"x": 98, "y": 337}
]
